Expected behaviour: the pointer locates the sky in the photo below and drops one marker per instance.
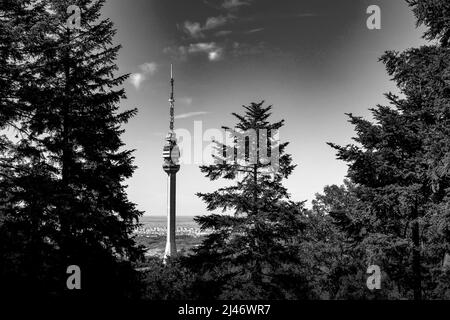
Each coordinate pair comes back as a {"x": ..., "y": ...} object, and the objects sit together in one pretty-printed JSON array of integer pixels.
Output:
[{"x": 313, "y": 60}]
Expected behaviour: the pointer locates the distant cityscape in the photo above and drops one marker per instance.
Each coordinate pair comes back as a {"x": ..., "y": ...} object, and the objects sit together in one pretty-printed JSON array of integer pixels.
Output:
[
  {"x": 162, "y": 231},
  {"x": 157, "y": 226}
]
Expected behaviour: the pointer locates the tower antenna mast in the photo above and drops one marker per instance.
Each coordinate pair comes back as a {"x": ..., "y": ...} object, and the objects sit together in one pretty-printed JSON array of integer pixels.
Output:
[{"x": 172, "y": 100}]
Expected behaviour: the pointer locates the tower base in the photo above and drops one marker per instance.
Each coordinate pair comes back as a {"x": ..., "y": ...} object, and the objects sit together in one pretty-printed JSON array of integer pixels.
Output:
[{"x": 171, "y": 248}]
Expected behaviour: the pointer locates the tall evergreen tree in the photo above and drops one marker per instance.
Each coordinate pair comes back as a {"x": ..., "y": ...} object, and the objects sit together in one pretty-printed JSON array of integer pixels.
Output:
[
  {"x": 253, "y": 250},
  {"x": 16, "y": 33},
  {"x": 18, "y": 21},
  {"x": 400, "y": 165},
  {"x": 68, "y": 203}
]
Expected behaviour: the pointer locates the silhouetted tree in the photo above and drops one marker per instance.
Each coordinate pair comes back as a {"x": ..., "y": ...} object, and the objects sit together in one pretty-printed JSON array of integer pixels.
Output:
[
  {"x": 400, "y": 166},
  {"x": 253, "y": 250},
  {"x": 67, "y": 200}
]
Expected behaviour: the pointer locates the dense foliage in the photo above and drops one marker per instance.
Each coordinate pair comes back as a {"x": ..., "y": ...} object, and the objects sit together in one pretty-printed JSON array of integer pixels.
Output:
[
  {"x": 64, "y": 202},
  {"x": 400, "y": 165}
]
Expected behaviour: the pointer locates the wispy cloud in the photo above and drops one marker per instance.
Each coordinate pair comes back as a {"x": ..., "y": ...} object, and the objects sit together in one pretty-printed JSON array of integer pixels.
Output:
[
  {"x": 254, "y": 30},
  {"x": 193, "y": 29},
  {"x": 147, "y": 69},
  {"x": 232, "y": 4},
  {"x": 191, "y": 114},
  {"x": 213, "y": 51},
  {"x": 216, "y": 52},
  {"x": 215, "y": 22},
  {"x": 196, "y": 30},
  {"x": 223, "y": 33}
]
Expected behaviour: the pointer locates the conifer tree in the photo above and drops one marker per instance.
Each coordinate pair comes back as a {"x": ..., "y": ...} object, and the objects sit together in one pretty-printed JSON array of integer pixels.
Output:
[
  {"x": 400, "y": 165},
  {"x": 253, "y": 250},
  {"x": 68, "y": 202},
  {"x": 18, "y": 21},
  {"x": 16, "y": 34}
]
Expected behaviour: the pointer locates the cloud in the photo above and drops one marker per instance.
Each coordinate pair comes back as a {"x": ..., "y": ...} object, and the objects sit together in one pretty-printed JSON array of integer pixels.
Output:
[
  {"x": 215, "y": 22},
  {"x": 254, "y": 30},
  {"x": 218, "y": 51},
  {"x": 196, "y": 30},
  {"x": 191, "y": 114},
  {"x": 193, "y": 29},
  {"x": 201, "y": 47},
  {"x": 232, "y": 4},
  {"x": 215, "y": 55},
  {"x": 223, "y": 33},
  {"x": 136, "y": 80},
  {"x": 213, "y": 51},
  {"x": 148, "y": 68}
]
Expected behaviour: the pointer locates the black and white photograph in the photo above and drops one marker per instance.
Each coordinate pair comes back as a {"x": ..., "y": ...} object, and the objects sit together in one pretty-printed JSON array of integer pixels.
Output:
[{"x": 224, "y": 156}]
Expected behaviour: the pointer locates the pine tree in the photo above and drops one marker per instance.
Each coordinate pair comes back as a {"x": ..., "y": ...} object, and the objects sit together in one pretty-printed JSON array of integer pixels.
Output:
[
  {"x": 400, "y": 166},
  {"x": 15, "y": 36},
  {"x": 68, "y": 201},
  {"x": 8, "y": 25},
  {"x": 253, "y": 250},
  {"x": 18, "y": 20}
]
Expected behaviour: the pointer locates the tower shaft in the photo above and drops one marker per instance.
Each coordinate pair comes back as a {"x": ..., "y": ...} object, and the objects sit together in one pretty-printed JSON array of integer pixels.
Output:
[
  {"x": 171, "y": 155},
  {"x": 171, "y": 248}
]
